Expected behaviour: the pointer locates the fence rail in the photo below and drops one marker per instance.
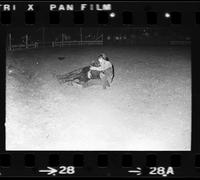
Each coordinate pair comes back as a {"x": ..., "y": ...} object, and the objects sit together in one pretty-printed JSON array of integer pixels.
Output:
[
  {"x": 183, "y": 43},
  {"x": 71, "y": 43},
  {"x": 53, "y": 44}
]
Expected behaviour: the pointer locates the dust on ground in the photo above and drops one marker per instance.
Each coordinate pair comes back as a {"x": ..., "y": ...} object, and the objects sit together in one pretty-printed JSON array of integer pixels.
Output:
[{"x": 147, "y": 107}]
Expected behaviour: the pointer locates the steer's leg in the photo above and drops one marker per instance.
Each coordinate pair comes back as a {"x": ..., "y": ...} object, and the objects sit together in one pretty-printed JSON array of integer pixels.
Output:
[{"x": 85, "y": 84}]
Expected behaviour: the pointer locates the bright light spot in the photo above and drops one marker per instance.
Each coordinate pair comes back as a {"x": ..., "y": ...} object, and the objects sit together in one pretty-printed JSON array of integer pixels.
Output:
[
  {"x": 10, "y": 71},
  {"x": 112, "y": 15},
  {"x": 108, "y": 38},
  {"x": 167, "y": 15}
]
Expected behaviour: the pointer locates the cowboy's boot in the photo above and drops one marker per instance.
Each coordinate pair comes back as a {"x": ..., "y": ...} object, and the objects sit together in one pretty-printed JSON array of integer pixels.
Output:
[{"x": 106, "y": 84}]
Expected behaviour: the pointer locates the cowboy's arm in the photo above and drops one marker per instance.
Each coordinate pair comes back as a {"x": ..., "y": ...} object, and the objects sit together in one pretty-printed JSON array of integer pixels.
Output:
[
  {"x": 96, "y": 68},
  {"x": 102, "y": 67}
]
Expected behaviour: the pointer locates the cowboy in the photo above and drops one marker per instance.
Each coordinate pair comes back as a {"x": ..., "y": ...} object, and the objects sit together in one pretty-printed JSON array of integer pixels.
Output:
[{"x": 105, "y": 69}]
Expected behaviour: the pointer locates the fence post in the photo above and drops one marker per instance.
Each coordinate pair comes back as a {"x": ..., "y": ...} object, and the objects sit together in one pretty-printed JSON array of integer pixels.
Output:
[
  {"x": 81, "y": 36},
  {"x": 26, "y": 41},
  {"x": 10, "y": 42},
  {"x": 62, "y": 40}
]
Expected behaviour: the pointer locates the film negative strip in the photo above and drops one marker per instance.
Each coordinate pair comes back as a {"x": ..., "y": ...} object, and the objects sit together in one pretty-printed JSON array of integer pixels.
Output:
[{"x": 100, "y": 89}]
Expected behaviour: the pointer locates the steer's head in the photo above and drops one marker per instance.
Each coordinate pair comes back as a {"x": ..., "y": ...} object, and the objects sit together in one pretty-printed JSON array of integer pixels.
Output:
[{"x": 95, "y": 63}]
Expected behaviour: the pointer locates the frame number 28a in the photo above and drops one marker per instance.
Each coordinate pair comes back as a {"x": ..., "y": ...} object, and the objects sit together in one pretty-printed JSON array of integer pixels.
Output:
[{"x": 162, "y": 171}]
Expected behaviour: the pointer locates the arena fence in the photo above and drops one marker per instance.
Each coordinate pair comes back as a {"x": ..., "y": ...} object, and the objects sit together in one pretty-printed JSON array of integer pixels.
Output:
[{"x": 53, "y": 44}]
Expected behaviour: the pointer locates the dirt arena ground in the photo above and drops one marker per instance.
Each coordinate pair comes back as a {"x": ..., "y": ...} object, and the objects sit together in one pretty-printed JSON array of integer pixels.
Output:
[{"x": 147, "y": 107}]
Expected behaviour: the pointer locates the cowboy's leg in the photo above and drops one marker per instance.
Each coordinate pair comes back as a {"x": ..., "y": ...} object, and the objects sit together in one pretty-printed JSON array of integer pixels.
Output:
[
  {"x": 109, "y": 74},
  {"x": 104, "y": 80}
]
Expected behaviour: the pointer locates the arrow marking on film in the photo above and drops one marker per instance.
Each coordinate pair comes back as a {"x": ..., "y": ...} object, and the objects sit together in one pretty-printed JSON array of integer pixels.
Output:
[
  {"x": 138, "y": 171},
  {"x": 49, "y": 170}
]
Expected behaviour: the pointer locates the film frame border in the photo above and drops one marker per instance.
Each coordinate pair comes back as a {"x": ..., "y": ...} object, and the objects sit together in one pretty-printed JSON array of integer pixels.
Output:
[{"x": 107, "y": 163}]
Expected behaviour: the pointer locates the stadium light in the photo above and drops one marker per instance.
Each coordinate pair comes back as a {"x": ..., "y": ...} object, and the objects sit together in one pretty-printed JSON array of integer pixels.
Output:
[
  {"x": 108, "y": 38},
  {"x": 167, "y": 15},
  {"x": 112, "y": 15}
]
